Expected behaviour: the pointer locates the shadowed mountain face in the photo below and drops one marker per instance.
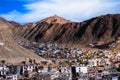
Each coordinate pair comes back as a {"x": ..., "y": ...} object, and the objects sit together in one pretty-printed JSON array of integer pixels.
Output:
[{"x": 99, "y": 30}]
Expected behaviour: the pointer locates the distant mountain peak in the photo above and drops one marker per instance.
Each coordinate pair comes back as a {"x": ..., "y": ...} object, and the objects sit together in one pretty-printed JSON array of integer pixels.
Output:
[{"x": 56, "y": 19}]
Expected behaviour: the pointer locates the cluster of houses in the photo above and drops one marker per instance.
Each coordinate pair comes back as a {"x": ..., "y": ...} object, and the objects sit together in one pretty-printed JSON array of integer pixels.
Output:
[
  {"x": 78, "y": 64},
  {"x": 29, "y": 71},
  {"x": 88, "y": 64}
]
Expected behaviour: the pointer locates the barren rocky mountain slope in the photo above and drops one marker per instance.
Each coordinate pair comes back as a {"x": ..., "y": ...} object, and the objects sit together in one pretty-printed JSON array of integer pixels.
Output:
[
  {"x": 10, "y": 51},
  {"x": 99, "y": 31}
]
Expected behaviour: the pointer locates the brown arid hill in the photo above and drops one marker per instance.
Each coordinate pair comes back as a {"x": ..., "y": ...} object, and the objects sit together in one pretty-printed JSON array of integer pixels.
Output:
[
  {"x": 99, "y": 32},
  {"x": 10, "y": 51},
  {"x": 5, "y": 25},
  {"x": 55, "y": 19}
]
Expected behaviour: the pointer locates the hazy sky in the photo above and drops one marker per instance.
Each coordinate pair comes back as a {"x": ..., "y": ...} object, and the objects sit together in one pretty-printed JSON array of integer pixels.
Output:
[{"x": 24, "y": 11}]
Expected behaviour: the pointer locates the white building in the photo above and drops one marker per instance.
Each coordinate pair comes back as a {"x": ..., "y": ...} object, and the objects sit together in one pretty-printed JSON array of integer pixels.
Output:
[
  {"x": 1, "y": 44},
  {"x": 81, "y": 69},
  {"x": 28, "y": 68},
  {"x": 65, "y": 70},
  {"x": 92, "y": 62},
  {"x": 14, "y": 77}
]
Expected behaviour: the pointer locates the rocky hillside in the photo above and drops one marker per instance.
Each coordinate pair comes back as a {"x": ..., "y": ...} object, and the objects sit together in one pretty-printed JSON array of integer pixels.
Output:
[
  {"x": 55, "y": 19},
  {"x": 10, "y": 51},
  {"x": 100, "y": 32}
]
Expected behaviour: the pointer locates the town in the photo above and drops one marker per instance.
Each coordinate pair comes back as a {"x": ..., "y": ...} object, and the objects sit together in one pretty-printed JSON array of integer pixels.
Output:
[
  {"x": 68, "y": 64},
  {"x": 59, "y": 40}
]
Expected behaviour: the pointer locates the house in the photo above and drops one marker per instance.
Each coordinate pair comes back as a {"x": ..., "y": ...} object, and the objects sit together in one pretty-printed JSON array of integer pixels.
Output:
[
  {"x": 14, "y": 77},
  {"x": 8, "y": 72},
  {"x": 111, "y": 77},
  {"x": 3, "y": 71},
  {"x": 62, "y": 78},
  {"x": 1, "y": 44},
  {"x": 53, "y": 74},
  {"x": 31, "y": 67},
  {"x": 40, "y": 69},
  {"x": 78, "y": 72},
  {"x": 41, "y": 77},
  {"x": 66, "y": 72},
  {"x": 91, "y": 72},
  {"x": 92, "y": 62},
  {"x": 109, "y": 71},
  {"x": 80, "y": 69},
  {"x": 28, "y": 68}
]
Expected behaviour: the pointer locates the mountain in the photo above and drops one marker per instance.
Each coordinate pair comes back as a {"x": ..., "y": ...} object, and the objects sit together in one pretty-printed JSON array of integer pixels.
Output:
[
  {"x": 10, "y": 51},
  {"x": 4, "y": 25},
  {"x": 55, "y": 19},
  {"x": 100, "y": 32}
]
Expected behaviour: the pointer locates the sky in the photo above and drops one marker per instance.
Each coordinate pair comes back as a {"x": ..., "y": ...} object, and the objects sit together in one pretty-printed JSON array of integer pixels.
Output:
[{"x": 24, "y": 11}]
